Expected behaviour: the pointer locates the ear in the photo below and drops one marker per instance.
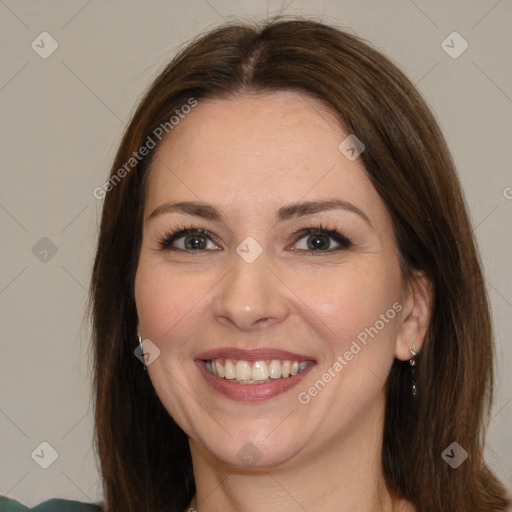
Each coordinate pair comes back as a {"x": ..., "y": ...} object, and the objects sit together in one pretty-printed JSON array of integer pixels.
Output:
[{"x": 415, "y": 315}]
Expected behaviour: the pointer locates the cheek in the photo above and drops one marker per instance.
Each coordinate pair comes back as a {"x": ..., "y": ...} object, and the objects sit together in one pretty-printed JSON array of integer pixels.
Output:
[
  {"x": 163, "y": 299},
  {"x": 352, "y": 299}
]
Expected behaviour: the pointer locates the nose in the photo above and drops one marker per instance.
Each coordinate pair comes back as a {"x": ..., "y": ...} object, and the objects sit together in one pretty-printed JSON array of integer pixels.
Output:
[{"x": 251, "y": 296}]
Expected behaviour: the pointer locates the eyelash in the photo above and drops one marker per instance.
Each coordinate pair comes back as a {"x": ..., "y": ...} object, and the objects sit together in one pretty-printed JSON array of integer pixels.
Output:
[
  {"x": 165, "y": 243},
  {"x": 179, "y": 232}
]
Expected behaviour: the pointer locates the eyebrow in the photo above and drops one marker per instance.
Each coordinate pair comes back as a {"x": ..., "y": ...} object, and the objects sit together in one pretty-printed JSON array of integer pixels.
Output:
[
  {"x": 311, "y": 207},
  {"x": 299, "y": 209}
]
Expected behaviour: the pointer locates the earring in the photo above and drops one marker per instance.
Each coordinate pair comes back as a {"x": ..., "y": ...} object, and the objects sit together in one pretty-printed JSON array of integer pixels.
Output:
[
  {"x": 141, "y": 349},
  {"x": 412, "y": 362}
]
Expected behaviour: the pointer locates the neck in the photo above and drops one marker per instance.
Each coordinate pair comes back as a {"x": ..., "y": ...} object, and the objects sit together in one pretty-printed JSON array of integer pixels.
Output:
[{"x": 344, "y": 475}]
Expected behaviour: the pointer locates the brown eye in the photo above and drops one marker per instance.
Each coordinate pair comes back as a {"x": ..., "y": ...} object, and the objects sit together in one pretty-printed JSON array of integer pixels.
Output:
[
  {"x": 189, "y": 240},
  {"x": 195, "y": 242},
  {"x": 318, "y": 242},
  {"x": 319, "y": 239}
]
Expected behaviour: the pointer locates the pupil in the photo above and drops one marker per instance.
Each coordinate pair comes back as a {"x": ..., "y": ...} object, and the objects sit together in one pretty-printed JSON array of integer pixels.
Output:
[
  {"x": 195, "y": 242},
  {"x": 318, "y": 242}
]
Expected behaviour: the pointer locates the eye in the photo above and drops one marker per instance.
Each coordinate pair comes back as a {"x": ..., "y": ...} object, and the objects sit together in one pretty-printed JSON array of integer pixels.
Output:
[
  {"x": 312, "y": 239},
  {"x": 319, "y": 239},
  {"x": 189, "y": 239}
]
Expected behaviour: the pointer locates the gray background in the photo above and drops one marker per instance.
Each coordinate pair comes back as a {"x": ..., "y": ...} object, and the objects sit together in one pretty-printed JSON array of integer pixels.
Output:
[{"x": 62, "y": 118}]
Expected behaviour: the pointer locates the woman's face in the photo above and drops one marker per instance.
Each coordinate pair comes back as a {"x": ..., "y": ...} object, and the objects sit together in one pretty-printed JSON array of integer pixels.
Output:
[{"x": 258, "y": 295}]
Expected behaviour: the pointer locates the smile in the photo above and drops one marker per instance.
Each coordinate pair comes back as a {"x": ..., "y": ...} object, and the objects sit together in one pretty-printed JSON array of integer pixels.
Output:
[
  {"x": 255, "y": 372},
  {"x": 253, "y": 375}
]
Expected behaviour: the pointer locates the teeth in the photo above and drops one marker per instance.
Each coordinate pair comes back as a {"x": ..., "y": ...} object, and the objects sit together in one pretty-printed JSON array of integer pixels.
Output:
[
  {"x": 256, "y": 372},
  {"x": 243, "y": 370},
  {"x": 229, "y": 370},
  {"x": 274, "y": 369},
  {"x": 220, "y": 369},
  {"x": 259, "y": 371}
]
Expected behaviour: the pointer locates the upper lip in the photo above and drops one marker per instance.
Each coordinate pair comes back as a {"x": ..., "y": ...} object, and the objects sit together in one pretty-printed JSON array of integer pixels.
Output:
[{"x": 256, "y": 354}]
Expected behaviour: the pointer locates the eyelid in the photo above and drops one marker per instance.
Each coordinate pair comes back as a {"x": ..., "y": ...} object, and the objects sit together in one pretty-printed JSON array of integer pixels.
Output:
[
  {"x": 178, "y": 232},
  {"x": 343, "y": 241},
  {"x": 165, "y": 242}
]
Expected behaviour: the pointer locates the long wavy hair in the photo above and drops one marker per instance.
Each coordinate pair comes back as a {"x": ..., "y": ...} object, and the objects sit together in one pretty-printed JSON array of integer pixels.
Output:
[{"x": 144, "y": 455}]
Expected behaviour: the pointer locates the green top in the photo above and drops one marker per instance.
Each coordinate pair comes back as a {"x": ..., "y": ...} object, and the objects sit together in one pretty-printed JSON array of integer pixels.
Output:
[{"x": 54, "y": 505}]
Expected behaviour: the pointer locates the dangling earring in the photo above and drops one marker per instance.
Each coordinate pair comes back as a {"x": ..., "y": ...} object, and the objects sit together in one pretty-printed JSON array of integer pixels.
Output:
[
  {"x": 412, "y": 362},
  {"x": 141, "y": 349}
]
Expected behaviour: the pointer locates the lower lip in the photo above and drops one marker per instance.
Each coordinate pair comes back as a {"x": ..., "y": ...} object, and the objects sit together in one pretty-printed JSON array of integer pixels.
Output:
[{"x": 251, "y": 392}]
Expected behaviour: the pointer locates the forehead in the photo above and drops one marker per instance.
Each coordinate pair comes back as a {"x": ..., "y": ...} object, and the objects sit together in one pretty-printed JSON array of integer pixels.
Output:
[{"x": 252, "y": 151}]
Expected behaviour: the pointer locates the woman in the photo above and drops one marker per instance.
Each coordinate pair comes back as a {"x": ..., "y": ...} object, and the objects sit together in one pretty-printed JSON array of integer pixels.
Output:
[{"x": 286, "y": 249}]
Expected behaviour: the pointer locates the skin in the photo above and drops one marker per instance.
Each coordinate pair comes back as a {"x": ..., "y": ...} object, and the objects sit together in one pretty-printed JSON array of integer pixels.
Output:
[{"x": 249, "y": 157}]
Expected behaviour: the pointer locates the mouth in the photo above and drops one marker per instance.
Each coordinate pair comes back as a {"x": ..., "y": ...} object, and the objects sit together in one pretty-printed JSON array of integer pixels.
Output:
[
  {"x": 253, "y": 375},
  {"x": 255, "y": 372}
]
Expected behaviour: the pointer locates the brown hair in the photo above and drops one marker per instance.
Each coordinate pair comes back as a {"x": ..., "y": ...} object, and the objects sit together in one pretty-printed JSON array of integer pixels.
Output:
[{"x": 144, "y": 455}]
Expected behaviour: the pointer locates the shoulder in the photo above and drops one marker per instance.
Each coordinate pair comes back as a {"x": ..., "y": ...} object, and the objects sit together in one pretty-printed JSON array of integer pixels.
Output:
[{"x": 53, "y": 505}]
